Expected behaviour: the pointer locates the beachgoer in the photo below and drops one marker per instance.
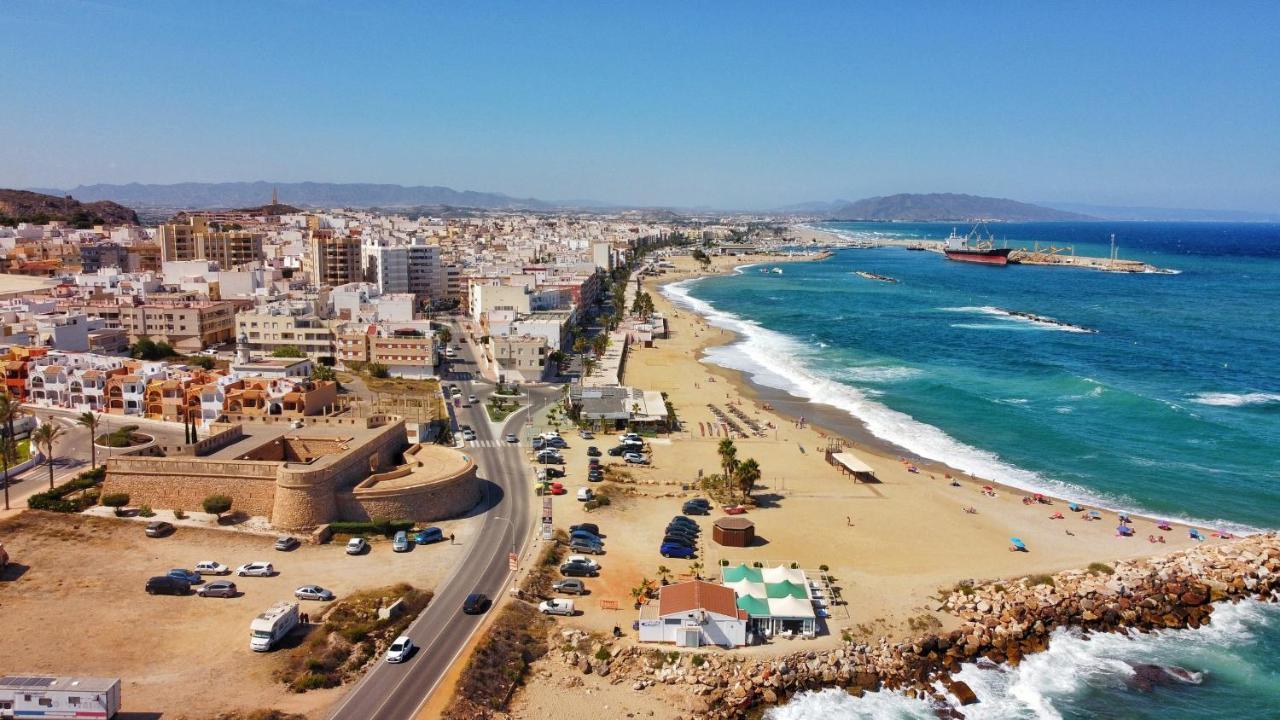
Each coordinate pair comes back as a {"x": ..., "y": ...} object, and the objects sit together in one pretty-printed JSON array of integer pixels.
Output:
[
  {"x": 848, "y": 521},
  {"x": 1071, "y": 533},
  {"x": 1160, "y": 539},
  {"x": 450, "y": 538}
]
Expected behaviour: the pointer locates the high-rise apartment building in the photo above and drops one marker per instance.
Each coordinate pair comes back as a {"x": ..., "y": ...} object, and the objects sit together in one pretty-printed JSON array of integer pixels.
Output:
[
  {"x": 332, "y": 258},
  {"x": 196, "y": 239}
]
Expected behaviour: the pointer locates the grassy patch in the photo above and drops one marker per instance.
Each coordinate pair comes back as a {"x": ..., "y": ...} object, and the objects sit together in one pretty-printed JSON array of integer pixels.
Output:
[
  {"x": 498, "y": 667},
  {"x": 1040, "y": 580},
  {"x": 126, "y": 436},
  {"x": 352, "y": 634},
  {"x": 1101, "y": 568},
  {"x": 499, "y": 409},
  {"x": 537, "y": 582}
]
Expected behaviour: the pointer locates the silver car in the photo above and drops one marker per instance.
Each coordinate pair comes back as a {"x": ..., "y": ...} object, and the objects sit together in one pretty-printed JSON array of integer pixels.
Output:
[
  {"x": 313, "y": 592},
  {"x": 256, "y": 569},
  {"x": 218, "y": 588}
]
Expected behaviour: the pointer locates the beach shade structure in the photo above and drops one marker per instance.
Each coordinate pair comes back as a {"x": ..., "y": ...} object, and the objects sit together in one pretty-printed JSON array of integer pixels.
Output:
[
  {"x": 1164, "y": 525},
  {"x": 1124, "y": 530},
  {"x": 1073, "y": 507},
  {"x": 741, "y": 572},
  {"x": 1095, "y": 515},
  {"x": 1124, "y": 518},
  {"x": 782, "y": 573},
  {"x": 1195, "y": 534},
  {"x": 1017, "y": 544}
]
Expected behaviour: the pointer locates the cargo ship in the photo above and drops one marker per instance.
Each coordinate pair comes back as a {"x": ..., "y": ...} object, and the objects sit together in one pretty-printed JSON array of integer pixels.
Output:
[{"x": 974, "y": 248}]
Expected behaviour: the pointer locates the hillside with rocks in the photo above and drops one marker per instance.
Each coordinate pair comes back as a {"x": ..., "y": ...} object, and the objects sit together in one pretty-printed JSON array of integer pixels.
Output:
[{"x": 22, "y": 206}]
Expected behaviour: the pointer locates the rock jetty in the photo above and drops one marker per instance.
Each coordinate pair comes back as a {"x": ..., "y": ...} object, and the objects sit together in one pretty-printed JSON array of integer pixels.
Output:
[{"x": 1000, "y": 621}]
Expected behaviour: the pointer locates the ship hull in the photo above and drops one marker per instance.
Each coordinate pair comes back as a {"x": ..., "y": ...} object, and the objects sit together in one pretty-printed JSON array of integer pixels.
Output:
[{"x": 998, "y": 256}]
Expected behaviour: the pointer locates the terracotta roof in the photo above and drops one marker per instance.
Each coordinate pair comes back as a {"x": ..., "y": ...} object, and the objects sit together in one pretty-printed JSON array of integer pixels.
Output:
[{"x": 697, "y": 595}]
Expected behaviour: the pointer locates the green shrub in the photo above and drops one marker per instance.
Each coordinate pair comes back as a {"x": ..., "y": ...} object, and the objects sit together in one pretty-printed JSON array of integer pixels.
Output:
[
  {"x": 698, "y": 660},
  {"x": 179, "y": 514},
  {"x": 1040, "y": 580},
  {"x": 602, "y": 654},
  {"x": 146, "y": 511},
  {"x": 116, "y": 500},
  {"x": 54, "y": 500},
  {"x": 216, "y": 504},
  {"x": 356, "y": 633},
  {"x": 1101, "y": 568},
  {"x": 377, "y": 526},
  {"x": 795, "y": 566},
  {"x": 823, "y": 568},
  {"x": 724, "y": 563}
]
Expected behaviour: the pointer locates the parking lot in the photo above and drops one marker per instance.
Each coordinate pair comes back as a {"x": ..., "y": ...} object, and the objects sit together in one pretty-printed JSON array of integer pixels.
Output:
[{"x": 74, "y": 603}]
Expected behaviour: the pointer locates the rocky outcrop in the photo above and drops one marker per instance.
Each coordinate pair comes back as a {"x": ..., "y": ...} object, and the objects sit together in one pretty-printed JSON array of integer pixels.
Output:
[
  {"x": 1000, "y": 622},
  {"x": 22, "y": 206}
]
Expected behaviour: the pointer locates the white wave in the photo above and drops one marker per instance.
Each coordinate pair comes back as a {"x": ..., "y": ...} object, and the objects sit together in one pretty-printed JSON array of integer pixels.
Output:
[
  {"x": 996, "y": 326},
  {"x": 775, "y": 360},
  {"x": 878, "y": 373},
  {"x": 1072, "y": 665},
  {"x": 1236, "y": 399},
  {"x": 1003, "y": 314}
]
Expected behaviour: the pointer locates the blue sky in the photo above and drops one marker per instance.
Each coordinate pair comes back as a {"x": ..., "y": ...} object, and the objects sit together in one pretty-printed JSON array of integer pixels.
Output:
[{"x": 735, "y": 105}]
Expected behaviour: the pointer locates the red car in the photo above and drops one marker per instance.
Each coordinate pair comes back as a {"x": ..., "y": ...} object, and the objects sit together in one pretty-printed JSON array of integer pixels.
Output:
[{"x": 557, "y": 489}]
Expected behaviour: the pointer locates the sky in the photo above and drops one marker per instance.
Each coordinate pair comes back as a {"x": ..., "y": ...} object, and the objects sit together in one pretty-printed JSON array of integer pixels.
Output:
[{"x": 733, "y": 105}]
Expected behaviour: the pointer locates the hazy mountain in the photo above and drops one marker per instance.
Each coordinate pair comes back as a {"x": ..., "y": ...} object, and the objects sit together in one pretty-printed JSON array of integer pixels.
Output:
[
  {"x": 813, "y": 207},
  {"x": 306, "y": 194},
  {"x": 1154, "y": 214},
  {"x": 24, "y": 206},
  {"x": 908, "y": 207}
]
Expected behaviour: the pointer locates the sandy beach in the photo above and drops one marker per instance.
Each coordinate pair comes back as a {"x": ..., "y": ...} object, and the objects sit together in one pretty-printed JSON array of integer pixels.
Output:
[{"x": 891, "y": 545}]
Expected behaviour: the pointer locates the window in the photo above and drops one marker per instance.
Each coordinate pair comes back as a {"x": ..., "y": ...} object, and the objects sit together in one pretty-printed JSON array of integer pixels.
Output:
[
  {"x": 46, "y": 702},
  {"x": 73, "y": 700}
]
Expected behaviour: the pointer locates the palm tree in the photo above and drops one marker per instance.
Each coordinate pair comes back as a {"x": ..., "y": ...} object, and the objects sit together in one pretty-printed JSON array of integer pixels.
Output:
[
  {"x": 44, "y": 437},
  {"x": 91, "y": 420},
  {"x": 663, "y": 573},
  {"x": 696, "y": 568},
  {"x": 728, "y": 457},
  {"x": 9, "y": 410},
  {"x": 747, "y": 475},
  {"x": 7, "y": 451},
  {"x": 445, "y": 335}
]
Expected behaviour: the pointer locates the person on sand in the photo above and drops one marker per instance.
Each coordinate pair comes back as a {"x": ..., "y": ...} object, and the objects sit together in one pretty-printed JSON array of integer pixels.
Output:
[
  {"x": 1071, "y": 533},
  {"x": 848, "y": 521}
]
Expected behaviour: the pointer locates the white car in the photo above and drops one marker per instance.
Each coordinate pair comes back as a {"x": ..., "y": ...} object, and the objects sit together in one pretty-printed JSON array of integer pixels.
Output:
[
  {"x": 635, "y": 458},
  {"x": 400, "y": 650},
  {"x": 469, "y": 435},
  {"x": 256, "y": 569},
  {"x": 210, "y": 567},
  {"x": 583, "y": 560},
  {"x": 630, "y": 437},
  {"x": 584, "y": 494},
  {"x": 511, "y": 438},
  {"x": 313, "y": 592},
  {"x": 556, "y": 607},
  {"x": 472, "y": 399},
  {"x": 357, "y": 545}
]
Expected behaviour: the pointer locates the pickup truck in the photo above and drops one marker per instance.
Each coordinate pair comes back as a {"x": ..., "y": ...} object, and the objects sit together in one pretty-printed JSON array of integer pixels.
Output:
[{"x": 556, "y": 607}]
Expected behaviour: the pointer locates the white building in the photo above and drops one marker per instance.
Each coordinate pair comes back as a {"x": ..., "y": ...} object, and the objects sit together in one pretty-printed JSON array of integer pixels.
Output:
[{"x": 693, "y": 614}]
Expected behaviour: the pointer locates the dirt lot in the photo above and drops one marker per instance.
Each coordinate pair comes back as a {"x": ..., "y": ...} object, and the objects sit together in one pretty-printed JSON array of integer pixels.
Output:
[{"x": 73, "y": 603}]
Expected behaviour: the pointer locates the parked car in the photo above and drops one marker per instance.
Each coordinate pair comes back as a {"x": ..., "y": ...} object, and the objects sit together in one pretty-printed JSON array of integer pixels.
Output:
[
  {"x": 686, "y": 521},
  {"x": 472, "y": 399},
  {"x": 428, "y": 535},
  {"x": 549, "y": 457},
  {"x": 210, "y": 567},
  {"x": 584, "y": 560},
  {"x": 357, "y": 545},
  {"x": 556, "y": 607},
  {"x": 592, "y": 528},
  {"x": 469, "y": 435},
  {"x": 689, "y": 508},
  {"x": 617, "y": 451},
  {"x": 586, "y": 546},
  {"x": 287, "y": 542},
  {"x": 475, "y": 604},
  {"x": 679, "y": 529},
  {"x": 538, "y": 443},
  {"x": 678, "y": 540},
  {"x": 165, "y": 585},
  {"x": 585, "y": 494},
  {"x": 630, "y": 437},
  {"x": 191, "y": 577},
  {"x": 511, "y": 438},
  {"x": 218, "y": 588},
  {"x": 159, "y": 528},
  {"x": 552, "y": 472},
  {"x": 636, "y": 458},
  {"x": 400, "y": 650},
  {"x": 676, "y": 551},
  {"x": 256, "y": 569},
  {"x": 595, "y": 476},
  {"x": 633, "y": 444},
  {"x": 593, "y": 463},
  {"x": 313, "y": 592},
  {"x": 569, "y": 586},
  {"x": 586, "y": 434},
  {"x": 556, "y": 488},
  {"x": 557, "y": 442},
  {"x": 593, "y": 451},
  {"x": 577, "y": 570},
  {"x": 400, "y": 543},
  {"x": 585, "y": 535}
]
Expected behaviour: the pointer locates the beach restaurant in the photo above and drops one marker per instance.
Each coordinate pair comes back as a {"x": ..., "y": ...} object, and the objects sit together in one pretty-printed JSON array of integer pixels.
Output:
[
  {"x": 851, "y": 465},
  {"x": 777, "y": 600}
]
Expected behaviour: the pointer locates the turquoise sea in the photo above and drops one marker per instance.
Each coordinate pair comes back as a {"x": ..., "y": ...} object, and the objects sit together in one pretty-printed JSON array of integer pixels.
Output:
[{"x": 1171, "y": 408}]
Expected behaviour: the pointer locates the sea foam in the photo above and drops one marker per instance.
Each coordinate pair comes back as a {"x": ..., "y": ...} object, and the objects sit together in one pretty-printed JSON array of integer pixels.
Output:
[{"x": 1237, "y": 399}]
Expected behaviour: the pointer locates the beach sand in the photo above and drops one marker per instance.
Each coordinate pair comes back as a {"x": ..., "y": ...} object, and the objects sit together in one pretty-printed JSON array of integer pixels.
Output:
[{"x": 890, "y": 545}]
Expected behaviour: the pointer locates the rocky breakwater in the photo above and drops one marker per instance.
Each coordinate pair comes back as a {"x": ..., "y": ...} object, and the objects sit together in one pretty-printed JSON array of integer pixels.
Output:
[{"x": 1000, "y": 621}]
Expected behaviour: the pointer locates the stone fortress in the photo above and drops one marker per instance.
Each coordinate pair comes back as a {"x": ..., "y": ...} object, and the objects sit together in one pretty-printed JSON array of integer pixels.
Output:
[{"x": 304, "y": 472}]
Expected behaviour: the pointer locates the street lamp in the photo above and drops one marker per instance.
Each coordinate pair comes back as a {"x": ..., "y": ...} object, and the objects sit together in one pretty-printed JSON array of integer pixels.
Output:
[{"x": 513, "y": 531}]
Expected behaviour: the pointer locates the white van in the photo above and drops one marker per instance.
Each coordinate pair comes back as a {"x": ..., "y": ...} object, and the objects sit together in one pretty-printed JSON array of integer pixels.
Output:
[
  {"x": 272, "y": 625},
  {"x": 556, "y": 606}
]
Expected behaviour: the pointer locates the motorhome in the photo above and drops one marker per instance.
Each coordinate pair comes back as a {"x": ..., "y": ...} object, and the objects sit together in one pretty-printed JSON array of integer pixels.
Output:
[
  {"x": 276, "y": 622},
  {"x": 49, "y": 696}
]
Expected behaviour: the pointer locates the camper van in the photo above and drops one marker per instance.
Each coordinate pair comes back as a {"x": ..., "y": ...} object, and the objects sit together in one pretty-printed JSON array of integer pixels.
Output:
[
  {"x": 276, "y": 622},
  {"x": 47, "y": 696}
]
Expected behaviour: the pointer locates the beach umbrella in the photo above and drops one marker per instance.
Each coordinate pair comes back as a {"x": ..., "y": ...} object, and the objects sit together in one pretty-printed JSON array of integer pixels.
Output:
[
  {"x": 1095, "y": 514},
  {"x": 1018, "y": 543},
  {"x": 987, "y": 487},
  {"x": 1073, "y": 507}
]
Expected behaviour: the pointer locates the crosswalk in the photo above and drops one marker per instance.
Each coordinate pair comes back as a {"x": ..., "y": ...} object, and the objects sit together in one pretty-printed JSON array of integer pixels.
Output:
[{"x": 491, "y": 443}]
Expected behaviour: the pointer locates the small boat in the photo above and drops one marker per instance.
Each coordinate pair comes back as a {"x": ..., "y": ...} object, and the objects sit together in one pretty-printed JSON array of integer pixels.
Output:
[
  {"x": 917, "y": 247},
  {"x": 776, "y": 271},
  {"x": 873, "y": 276}
]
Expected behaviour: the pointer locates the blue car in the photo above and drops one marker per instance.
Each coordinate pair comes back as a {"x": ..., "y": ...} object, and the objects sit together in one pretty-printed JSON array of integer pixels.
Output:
[
  {"x": 184, "y": 574},
  {"x": 671, "y": 550},
  {"x": 428, "y": 535},
  {"x": 585, "y": 535}
]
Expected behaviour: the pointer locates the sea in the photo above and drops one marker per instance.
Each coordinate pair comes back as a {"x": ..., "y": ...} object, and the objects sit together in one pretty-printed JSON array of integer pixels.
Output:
[{"x": 1158, "y": 394}]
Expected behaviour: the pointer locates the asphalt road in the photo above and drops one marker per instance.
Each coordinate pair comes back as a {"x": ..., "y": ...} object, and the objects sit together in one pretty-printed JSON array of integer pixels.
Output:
[{"x": 397, "y": 692}]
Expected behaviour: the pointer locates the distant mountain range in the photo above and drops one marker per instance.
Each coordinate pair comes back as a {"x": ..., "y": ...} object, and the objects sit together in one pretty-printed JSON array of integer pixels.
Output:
[
  {"x": 908, "y": 207},
  {"x": 17, "y": 206},
  {"x": 197, "y": 196},
  {"x": 1155, "y": 214}
]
